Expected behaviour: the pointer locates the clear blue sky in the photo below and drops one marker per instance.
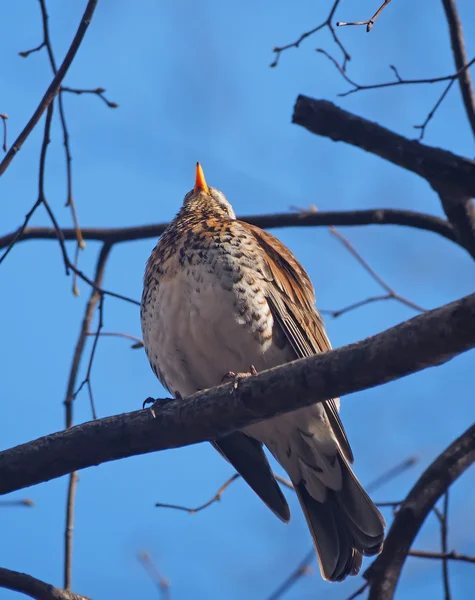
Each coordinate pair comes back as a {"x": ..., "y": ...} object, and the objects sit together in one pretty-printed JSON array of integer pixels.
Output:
[{"x": 193, "y": 83}]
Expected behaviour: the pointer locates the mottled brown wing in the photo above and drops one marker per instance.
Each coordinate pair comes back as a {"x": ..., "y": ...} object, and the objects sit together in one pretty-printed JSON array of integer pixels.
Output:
[{"x": 292, "y": 302}]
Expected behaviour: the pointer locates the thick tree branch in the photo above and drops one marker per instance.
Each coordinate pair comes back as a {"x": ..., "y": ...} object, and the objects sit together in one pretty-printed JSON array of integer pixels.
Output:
[
  {"x": 30, "y": 586},
  {"x": 426, "y": 340},
  {"x": 384, "y": 573},
  {"x": 460, "y": 211},
  {"x": 376, "y": 216},
  {"x": 437, "y": 166},
  {"x": 460, "y": 59}
]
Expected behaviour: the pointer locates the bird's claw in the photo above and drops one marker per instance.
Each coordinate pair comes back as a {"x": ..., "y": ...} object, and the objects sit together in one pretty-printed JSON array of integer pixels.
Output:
[
  {"x": 235, "y": 378},
  {"x": 158, "y": 403}
]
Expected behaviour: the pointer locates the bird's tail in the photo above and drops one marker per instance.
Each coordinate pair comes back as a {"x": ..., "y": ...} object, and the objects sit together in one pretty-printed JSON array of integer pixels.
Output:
[{"x": 344, "y": 527}]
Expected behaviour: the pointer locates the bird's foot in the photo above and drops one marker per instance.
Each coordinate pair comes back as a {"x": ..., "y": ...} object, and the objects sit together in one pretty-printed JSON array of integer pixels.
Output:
[
  {"x": 158, "y": 403},
  {"x": 235, "y": 378}
]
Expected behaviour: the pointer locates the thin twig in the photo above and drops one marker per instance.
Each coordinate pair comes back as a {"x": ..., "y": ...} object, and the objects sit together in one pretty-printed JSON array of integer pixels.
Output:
[
  {"x": 138, "y": 343},
  {"x": 87, "y": 379},
  {"x": 62, "y": 116},
  {"x": 53, "y": 87},
  {"x": 431, "y": 113},
  {"x": 162, "y": 583},
  {"x": 303, "y": 568},
  {"x": 4, "y": 122},
  {"x": 379, "y": 280},
  {"x": 370, "y": 22},
  {"x": 327, "y": 23},
  {"x": 26, "y": 502},
  {"x": 392, "y": 473},
  {"x": 26, "y": 53},
  {"x": 357, "y": 87},
  {"x": 444, "y": 556},
  {"x": 444, "y": 526},
  {"x": 69, "y": 399},
  {"x": 99, "y": 92},
  {"x": 358, "y": 592}
]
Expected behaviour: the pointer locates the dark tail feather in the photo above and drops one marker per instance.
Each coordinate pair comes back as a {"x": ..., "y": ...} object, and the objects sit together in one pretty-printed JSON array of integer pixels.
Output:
[
  {"x": 247, "y": 457},
  {"x": 344, "y": 527}
]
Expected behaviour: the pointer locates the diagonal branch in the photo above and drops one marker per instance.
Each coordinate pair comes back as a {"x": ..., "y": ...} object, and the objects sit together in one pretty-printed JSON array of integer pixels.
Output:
[
  {"x": 427, "y": 340},
  {"x": 384, "y": 573},
  {"x": 460, "y": 59},
  {"x": 437, "y": 166},
  {"x": 53, "y": 87},
  {"x": 460, "y": 211},
  {"x": 30, "y": 586},
  {"x": 68, "y": 403}
]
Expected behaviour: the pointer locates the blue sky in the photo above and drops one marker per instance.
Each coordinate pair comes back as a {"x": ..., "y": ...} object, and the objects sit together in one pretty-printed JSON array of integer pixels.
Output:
[{"x": 193, "y": 83}]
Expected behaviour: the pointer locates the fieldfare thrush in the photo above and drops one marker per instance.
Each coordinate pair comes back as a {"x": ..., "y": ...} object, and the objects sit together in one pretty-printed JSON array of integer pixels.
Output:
[{"x": 220, "y": 295}]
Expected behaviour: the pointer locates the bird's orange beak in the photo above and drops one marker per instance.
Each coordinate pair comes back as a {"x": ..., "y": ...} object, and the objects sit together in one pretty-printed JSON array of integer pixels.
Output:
[{"x": 200, "y": 181}]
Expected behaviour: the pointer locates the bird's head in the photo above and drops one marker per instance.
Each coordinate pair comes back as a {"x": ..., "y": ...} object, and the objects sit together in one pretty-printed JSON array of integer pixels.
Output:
[{"x": 203, "y": 198}]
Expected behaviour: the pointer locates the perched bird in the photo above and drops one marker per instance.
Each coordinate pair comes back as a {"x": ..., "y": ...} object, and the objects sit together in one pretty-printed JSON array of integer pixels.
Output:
[{"x": 221, "y": 295}]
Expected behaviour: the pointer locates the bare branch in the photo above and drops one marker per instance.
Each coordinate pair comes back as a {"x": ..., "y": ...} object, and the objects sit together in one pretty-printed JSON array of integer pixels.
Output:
[
  {"x": 303, "y": 568},
  {"x": 53, "y": 87},
  {"x": 30, "y": 586},
  {"x": 26, "y": 502},
  {"x": 99, "y": 92},
  {"x": 4, "y": 124},
  {"x": 442, "y": 556},
  {"x": 215, "y": 498},
  {"x": 218, "y": 495},
  {"x": 437, "y": 166},
  {"x": 444, "y": 530},
  {"x": 460, "y": 211},
  {"x": 390, "y": 292},
  {"x": 161, "y": 583},
  {"x": 370, "y": 22},
  {"x": 383, "y": 574},
  {"x": 69, "y": 402},
  {"x": 460, "y": 59},
  {"x": 398, "y": 81},
  {"x": 328, "y": 24},
  {"x": 352, "y": 218},
  {"x": 432, "y": 112},
  {"x": 138, "y": 343},
  {"x": 429, "y": 339}
]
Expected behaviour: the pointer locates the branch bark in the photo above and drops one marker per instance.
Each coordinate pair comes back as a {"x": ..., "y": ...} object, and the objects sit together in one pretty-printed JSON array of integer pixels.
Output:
[
  {"x": 460, "y": 59},
  {"x": 384, "y": 573},
  {"x": 377, "y": 216},
  {"x": 460, "y": 212},
  {"x": 427, "y": 340},
  {"x": 437, "y": 166},
  {"x": 35, "y": 588}
]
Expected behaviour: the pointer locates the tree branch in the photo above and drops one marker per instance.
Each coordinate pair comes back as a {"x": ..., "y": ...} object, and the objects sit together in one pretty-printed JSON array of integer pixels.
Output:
[
  {"x": 437, "y": 166},
  {"x": 35, "y": 588},
  {"x": 53, "y": 87},
  {"x": 351, "y": 218},
  {"x": 384, "y": 573},
  {"x": 460, "y": 59},
  {"x": 460, "y": 211},
  {"x": 426, "y": 340}
]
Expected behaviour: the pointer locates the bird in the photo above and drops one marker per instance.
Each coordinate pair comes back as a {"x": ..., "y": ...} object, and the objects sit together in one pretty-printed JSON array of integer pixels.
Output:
[{"x": 220, "y": 295}]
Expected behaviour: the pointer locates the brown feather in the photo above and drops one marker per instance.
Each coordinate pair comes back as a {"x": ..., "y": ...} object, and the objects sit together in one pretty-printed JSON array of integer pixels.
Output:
[{"x": 292, "y": 302}]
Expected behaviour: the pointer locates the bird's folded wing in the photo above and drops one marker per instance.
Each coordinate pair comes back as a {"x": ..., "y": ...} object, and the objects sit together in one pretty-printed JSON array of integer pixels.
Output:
[{"x": 292, "y": 302}]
